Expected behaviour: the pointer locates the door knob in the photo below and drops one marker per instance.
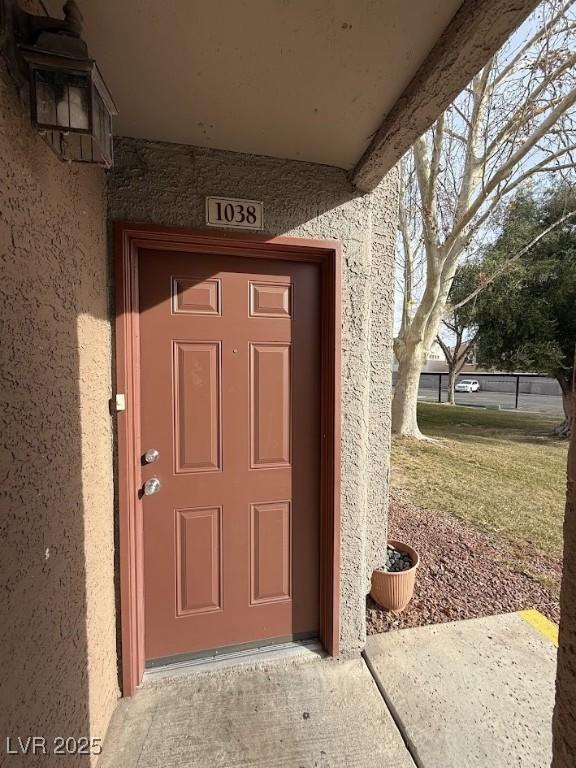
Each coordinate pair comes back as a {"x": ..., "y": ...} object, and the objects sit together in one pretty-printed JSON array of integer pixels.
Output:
[
  {"x": 151, "y": 456},
  {"x": 151, "y": 486}
]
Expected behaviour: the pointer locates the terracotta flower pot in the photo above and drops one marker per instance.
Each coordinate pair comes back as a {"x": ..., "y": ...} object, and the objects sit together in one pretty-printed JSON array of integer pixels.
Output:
[{"x": 393, "y": 590}]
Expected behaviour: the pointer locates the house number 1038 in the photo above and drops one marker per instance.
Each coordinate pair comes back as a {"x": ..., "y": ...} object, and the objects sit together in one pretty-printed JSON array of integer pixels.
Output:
[{"x": 233, "y": 212}]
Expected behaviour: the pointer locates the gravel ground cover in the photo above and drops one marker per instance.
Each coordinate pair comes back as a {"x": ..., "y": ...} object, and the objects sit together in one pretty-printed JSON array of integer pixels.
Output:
[{"x": 464, "y": 572}]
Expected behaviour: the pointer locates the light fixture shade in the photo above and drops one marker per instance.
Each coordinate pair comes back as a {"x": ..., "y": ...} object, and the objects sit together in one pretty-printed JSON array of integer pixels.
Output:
[{"x": 70, "y": 105}]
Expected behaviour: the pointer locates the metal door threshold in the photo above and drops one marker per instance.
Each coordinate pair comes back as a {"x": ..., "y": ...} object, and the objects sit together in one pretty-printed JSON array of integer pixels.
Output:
[{"x": 299, "y": 649}]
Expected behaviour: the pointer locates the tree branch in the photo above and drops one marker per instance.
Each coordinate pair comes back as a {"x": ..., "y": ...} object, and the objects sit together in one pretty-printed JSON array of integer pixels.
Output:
[
  {"x": 407, "y": 297},
  {"x": 445, "y": 349},
  {"x": 543, "y": 30},
  {"x": 422, "y": 167},
  {"x": 472, "y": 171},
  {"x": 541, "y": 167},
  {"x": 512, "y": 260},
  {"x": 435, "y": 163},
  {"x": 508, "y": 167},
  {"x": 515, "y": 119}
]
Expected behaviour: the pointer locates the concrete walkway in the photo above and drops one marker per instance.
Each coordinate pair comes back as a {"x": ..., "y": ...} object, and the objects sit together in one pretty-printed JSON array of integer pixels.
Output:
[
  {"x": 472, "y": 694},
  {"x": 316, "y": 714}
]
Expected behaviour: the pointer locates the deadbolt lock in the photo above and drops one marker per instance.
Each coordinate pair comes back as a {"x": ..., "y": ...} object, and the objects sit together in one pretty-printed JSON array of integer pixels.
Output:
[
  {"x": 151, "y": 456},
  {"x": 151, "y": 486}
]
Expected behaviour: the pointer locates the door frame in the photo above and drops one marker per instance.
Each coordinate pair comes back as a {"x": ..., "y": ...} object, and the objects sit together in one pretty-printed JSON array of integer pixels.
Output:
[{"x": 129, "y": 239}]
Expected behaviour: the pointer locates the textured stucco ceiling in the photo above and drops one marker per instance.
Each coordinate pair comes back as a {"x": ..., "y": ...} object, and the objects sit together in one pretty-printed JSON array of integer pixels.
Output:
[{"x": 302, "y": 79}]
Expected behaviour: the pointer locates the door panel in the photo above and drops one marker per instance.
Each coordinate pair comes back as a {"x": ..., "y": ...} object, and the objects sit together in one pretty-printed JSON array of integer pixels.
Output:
[
  {"x": 230, "y": 397},
  {"x": 197, "y": 398},
  {"x": 193, "y": 296},
  {"x": 271, "y": 550},
  {"x": 270, "y": 404},
  {"x": 199, "y": 552},
  {"x": 270, "y": 300}
]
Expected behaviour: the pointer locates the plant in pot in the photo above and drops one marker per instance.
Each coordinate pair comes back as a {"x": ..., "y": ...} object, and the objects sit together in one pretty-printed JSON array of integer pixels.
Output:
[{"x": 393, "y": 584}]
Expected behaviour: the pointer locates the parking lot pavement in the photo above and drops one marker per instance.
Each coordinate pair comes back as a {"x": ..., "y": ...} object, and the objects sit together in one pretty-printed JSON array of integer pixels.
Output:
[{"x": 551, "y": 405}]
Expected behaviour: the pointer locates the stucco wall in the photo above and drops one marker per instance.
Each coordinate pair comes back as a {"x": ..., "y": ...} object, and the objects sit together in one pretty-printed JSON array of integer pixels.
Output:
[
  {"x": 57, "y": 611},
  {"x": 166, "y": 184},
  {"x": 564, "y": 722}
]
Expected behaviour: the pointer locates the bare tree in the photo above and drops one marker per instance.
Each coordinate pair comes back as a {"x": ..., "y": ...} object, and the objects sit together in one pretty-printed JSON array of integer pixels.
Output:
[
  {"x": 512, "y": 124},
  {"x": 456, "y": 356},
  {"x": 459, "y": 321}
]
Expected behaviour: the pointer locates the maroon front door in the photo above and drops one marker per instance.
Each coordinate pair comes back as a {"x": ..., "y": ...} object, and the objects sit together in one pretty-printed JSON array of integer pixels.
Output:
[{"x": 230, "y": 400}]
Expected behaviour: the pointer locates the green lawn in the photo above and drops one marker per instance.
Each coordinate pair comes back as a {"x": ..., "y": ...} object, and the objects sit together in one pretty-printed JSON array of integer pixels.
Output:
[{"x": 502, "y": 471}]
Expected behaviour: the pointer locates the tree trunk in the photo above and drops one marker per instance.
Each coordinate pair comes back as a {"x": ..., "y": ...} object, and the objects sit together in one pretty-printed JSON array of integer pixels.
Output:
[
  {"x": 565, "y": 429},
  {"x": 568, "y": 403},
  {"x": 451, "y": 384},
  {"x": 405, "y": 400},
  {"x": 563, "y": 730}
]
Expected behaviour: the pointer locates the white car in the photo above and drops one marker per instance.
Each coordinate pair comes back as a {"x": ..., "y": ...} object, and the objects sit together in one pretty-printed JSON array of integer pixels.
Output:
[{"x": 467, "y": 385}]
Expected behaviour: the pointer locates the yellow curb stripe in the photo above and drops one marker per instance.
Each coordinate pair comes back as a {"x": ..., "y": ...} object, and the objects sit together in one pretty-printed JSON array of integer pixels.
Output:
[{"x": 542, "y": 624}]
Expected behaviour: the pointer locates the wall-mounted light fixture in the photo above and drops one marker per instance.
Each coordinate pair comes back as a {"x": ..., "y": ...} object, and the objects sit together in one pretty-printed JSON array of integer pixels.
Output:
[{"x": 71, "y": 107}]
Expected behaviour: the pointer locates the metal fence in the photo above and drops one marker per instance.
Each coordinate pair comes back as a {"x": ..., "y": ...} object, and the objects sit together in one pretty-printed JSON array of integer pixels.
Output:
[{"x": 517, "y": 391}]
